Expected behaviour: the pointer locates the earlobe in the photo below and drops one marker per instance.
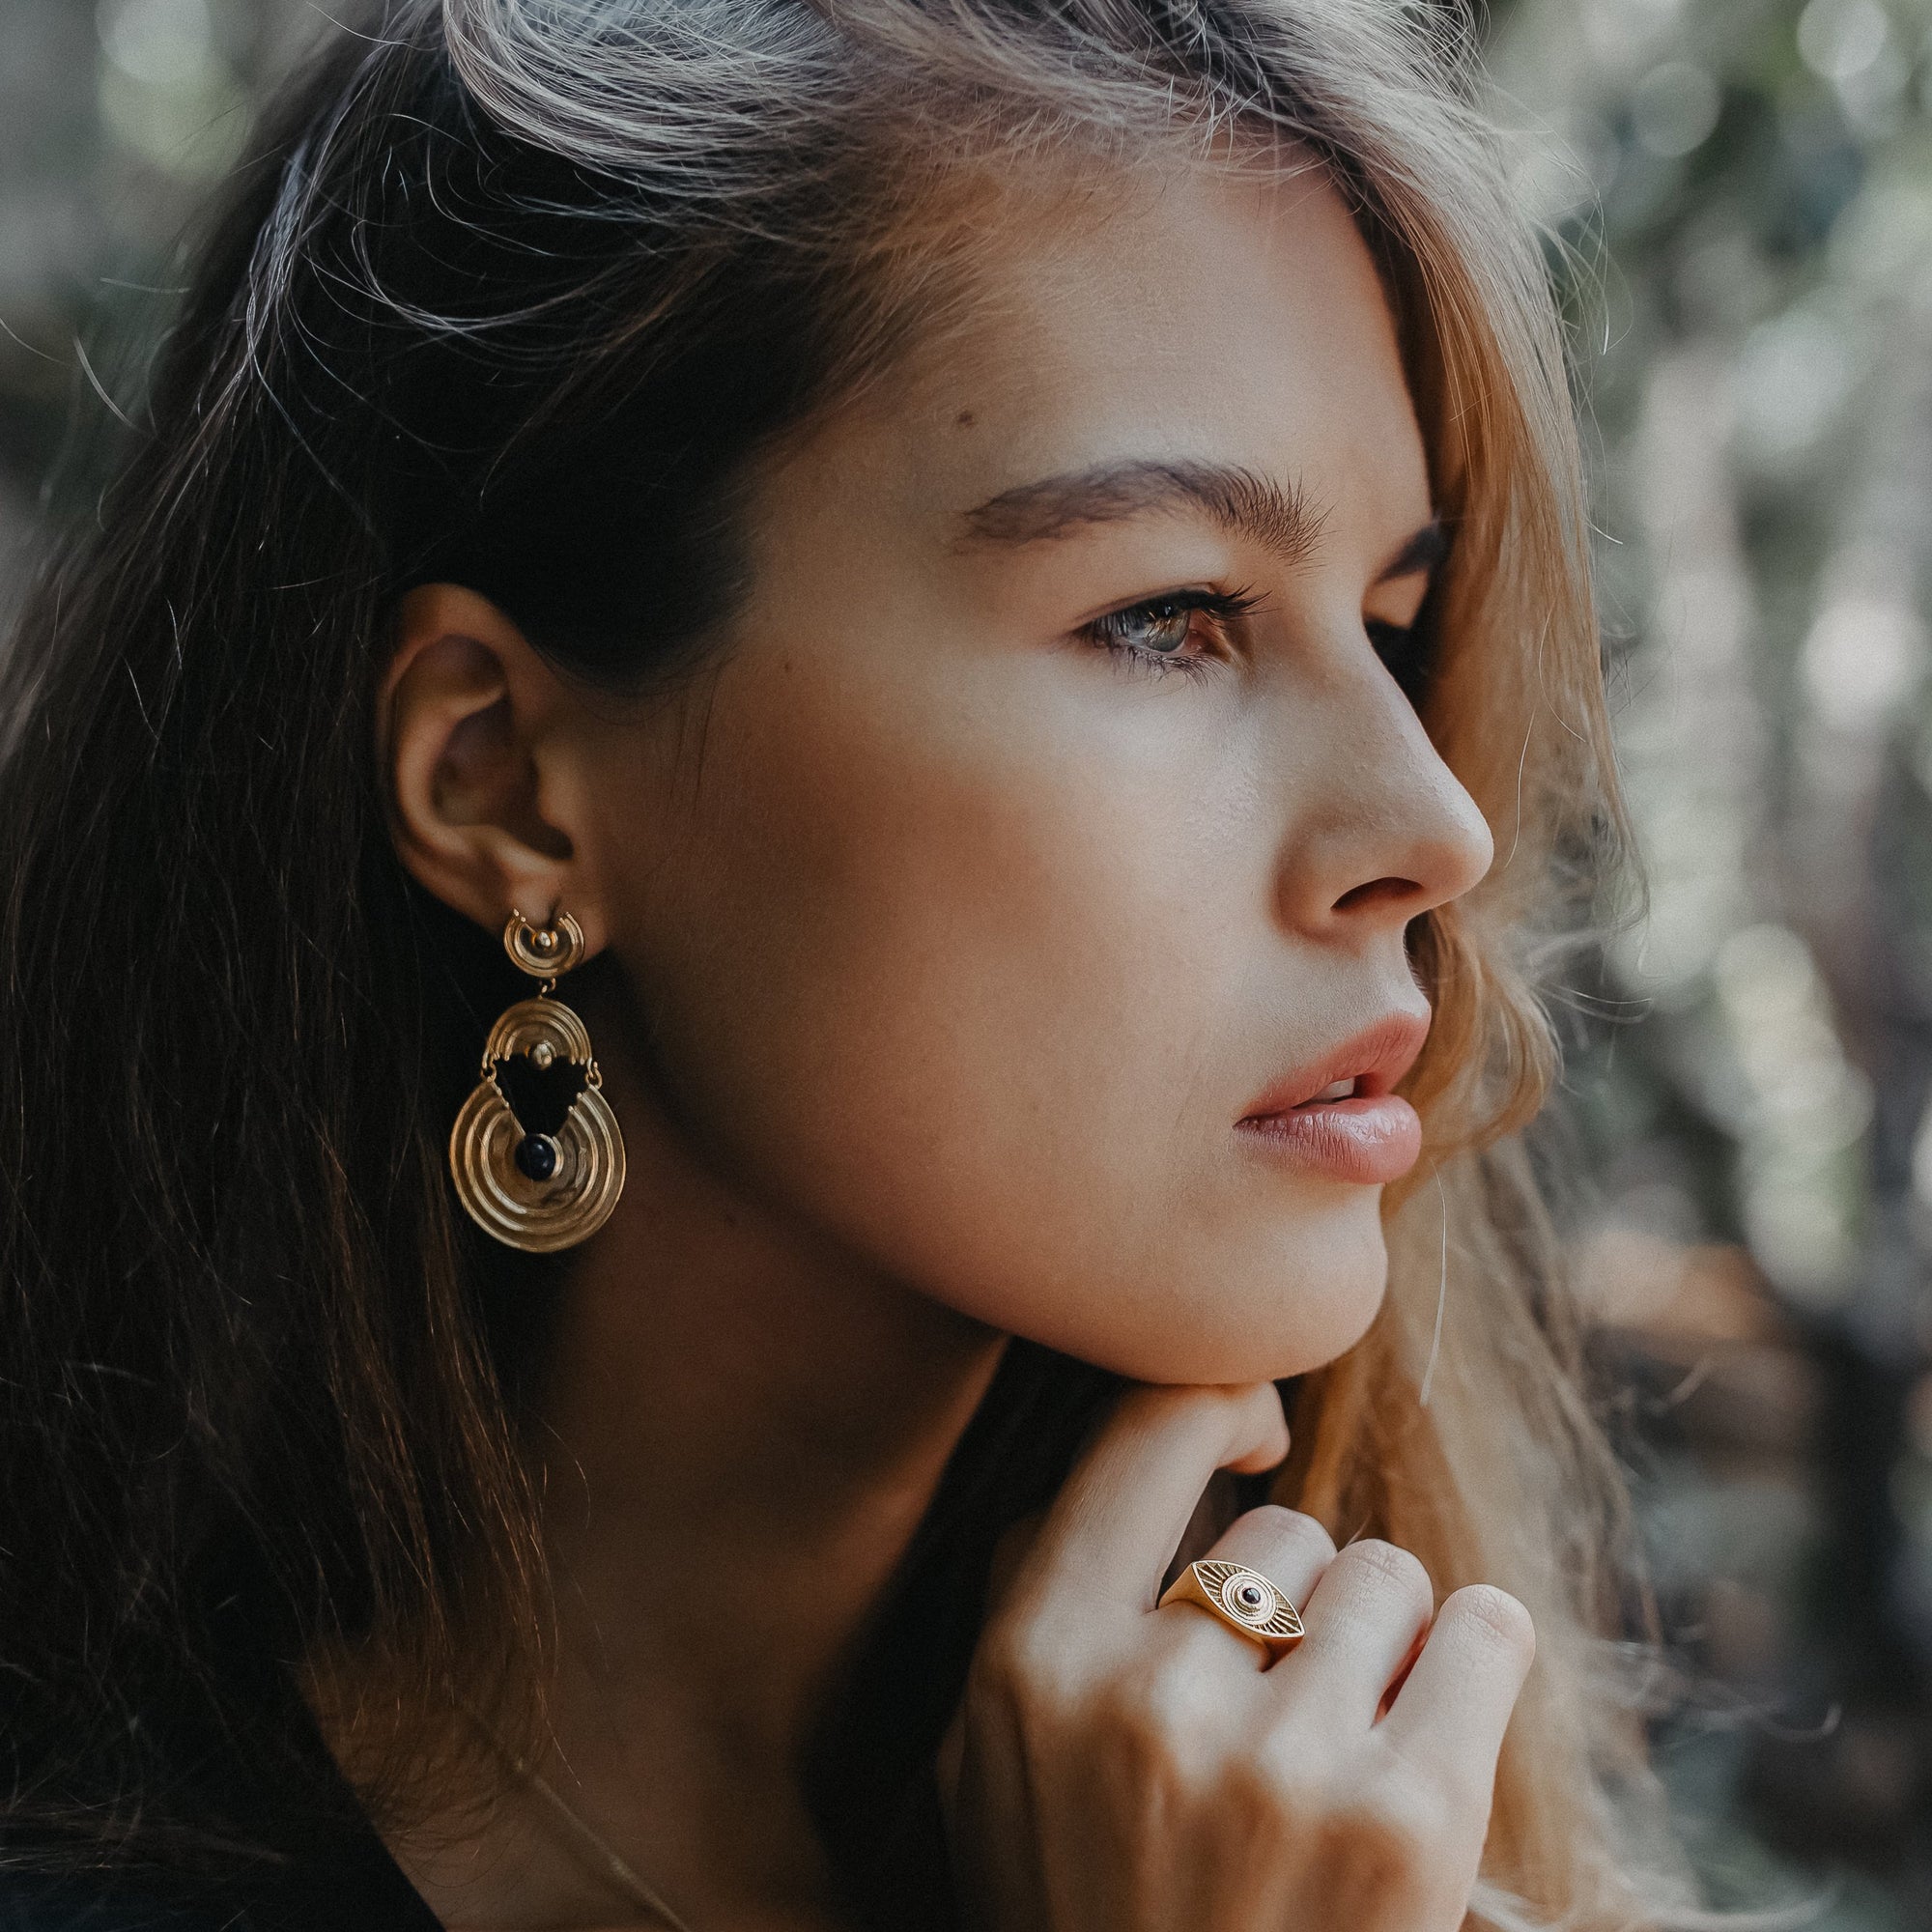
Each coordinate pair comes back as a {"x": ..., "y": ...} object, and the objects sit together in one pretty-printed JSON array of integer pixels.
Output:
[{"x": 467, "y": 731}]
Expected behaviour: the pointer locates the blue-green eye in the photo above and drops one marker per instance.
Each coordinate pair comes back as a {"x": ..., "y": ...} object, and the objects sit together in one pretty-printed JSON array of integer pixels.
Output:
[
  {"x": 1163, "y": 625},
  {"x": 1155, "y": 632}
]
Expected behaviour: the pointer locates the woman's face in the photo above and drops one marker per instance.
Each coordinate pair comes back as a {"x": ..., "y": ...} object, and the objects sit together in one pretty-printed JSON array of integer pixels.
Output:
[{"x": 1051, "y": 824}]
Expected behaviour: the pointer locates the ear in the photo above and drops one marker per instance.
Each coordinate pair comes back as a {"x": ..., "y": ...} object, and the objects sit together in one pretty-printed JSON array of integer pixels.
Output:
[{"x": 472, "y": 733}]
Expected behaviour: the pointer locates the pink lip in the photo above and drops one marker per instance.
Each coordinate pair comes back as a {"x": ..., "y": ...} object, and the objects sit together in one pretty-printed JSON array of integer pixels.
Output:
[{"x": 1373, "y": 1137}]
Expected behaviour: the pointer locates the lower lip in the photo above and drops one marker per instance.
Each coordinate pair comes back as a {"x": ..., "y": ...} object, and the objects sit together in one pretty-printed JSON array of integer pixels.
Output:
[{"x": 1370, "y": 1141}]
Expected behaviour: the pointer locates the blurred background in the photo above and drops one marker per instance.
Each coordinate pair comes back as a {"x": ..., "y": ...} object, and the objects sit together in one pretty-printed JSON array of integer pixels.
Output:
[{"x": 1738, "y": 195}]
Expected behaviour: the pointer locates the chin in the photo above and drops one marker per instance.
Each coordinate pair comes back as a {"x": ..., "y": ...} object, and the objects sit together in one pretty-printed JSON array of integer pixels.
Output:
[{"x": 1280, "y": 1307}]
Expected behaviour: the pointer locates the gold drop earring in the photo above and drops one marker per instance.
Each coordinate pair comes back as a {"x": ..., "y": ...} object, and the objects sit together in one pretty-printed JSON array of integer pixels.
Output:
[{"x": 538, "y": 1190}]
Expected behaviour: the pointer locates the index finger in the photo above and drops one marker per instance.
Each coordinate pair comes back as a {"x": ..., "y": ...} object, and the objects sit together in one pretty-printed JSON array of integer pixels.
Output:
[{"x": 1120, "y": 1515}]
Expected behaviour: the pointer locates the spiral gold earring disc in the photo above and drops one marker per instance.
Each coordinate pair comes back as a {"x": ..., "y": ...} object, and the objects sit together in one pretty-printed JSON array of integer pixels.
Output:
[
  {"x": 575, "y": 1198},
  {"x": 539, "y": 1217}
]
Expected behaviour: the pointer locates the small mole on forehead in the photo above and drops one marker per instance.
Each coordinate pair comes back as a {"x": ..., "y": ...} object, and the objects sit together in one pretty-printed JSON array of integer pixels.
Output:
[{"x": 963, "y": 420}]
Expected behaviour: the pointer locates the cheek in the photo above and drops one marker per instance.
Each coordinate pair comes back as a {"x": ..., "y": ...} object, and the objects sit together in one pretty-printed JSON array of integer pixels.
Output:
[{"x": 959, "y": 981}]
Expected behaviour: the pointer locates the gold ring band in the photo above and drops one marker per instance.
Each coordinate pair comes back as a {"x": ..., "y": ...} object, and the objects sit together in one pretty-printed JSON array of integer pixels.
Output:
[{"x": 1242, "y": 1599}]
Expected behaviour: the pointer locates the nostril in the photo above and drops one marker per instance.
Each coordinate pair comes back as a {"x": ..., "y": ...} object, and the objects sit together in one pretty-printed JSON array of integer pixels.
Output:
[{"x": 1376, "y": 892}]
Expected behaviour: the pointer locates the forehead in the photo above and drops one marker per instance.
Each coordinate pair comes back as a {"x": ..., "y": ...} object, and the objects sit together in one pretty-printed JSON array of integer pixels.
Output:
[{"x": 1200, "y": 314}]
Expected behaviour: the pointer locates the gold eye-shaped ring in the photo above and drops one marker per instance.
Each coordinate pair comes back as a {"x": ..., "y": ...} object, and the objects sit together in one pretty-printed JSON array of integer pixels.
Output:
[{"x": 1242, "y": 1599}]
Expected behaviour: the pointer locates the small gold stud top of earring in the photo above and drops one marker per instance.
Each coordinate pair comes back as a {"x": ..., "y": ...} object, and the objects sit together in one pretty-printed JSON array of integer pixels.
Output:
[{"x": 545, "y": 952}]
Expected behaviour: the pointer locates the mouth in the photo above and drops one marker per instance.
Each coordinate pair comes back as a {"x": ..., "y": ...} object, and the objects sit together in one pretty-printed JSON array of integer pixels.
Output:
[
  {"x": 1339, "y": 1090},
  {"x": 1340, "y": 1116},
  {"x": 1366, "y": 1065}
]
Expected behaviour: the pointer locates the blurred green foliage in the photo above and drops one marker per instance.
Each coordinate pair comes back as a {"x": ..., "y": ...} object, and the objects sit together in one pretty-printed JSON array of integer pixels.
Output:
[{"x": 1739, "y": 197}]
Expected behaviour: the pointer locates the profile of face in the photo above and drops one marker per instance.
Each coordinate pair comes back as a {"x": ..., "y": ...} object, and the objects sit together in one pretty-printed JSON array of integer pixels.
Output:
[{"x": 1016, "y": 908}]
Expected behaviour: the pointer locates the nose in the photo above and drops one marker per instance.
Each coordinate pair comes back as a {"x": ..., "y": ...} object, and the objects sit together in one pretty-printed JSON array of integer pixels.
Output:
[{"x": 1381, "y": 830}]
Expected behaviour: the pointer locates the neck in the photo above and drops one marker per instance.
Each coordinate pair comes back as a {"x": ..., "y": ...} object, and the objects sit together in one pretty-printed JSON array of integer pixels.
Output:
[
  {"x": 741, "y": 1430},
  {"x": 749, "y": 1435}
]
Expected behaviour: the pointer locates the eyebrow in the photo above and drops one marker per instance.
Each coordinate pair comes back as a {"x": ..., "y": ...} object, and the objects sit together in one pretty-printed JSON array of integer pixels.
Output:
[
  {"x": 1424, "y": 553},
  {"x": 1281, "y": 520}
]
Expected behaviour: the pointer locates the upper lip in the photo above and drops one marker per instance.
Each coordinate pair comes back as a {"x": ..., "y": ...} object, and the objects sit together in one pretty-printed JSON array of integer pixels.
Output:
[{"x": 1376, "y": 1059}]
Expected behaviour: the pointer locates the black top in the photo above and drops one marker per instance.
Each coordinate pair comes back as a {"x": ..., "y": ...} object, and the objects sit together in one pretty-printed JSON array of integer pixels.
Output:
[
  {"x": 344, "y": 1880},
  {"x": 357, "y": 1886}
]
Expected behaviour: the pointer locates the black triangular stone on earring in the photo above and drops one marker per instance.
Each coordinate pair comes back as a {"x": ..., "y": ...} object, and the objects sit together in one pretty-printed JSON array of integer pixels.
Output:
[
  {"x": 535, "y": 1152},
  {"x": 540, "y": 1097}
]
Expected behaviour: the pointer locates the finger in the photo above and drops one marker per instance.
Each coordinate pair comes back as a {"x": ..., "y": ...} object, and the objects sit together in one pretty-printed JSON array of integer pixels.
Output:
[
  {"x": 1290, "y": 1550},
  {"x": 1120, "y": 1515},
  {"x": 1361, "y": 1622},
  {"x": 1454, "y": 1704},
  {"x": 1401, "y": 1676}
]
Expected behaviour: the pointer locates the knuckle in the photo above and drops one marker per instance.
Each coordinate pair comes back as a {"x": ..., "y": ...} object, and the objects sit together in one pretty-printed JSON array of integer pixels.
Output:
[
  {"x": 1154, "y": 1733},
  {"x": 1260, "y": 1403},
  {"x": 1493, "y": 1618},
  {"x": 1152, "y": 1403},
  {"x": 1022, "y": 1663},
  {"x": 1154, "y": 1715},
  {"x": 1286, "y": 1528},
  {"x": 1162, "y": 1401},
  {"x": 1388, "y": 1570}
]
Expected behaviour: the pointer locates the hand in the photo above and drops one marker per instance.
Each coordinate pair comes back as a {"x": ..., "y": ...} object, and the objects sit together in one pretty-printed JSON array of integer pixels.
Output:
[{"x": 1116, "y": 1768}]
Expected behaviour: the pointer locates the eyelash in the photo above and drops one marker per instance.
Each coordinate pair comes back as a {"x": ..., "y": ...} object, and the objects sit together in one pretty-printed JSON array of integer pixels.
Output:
[
  {"x": 1223, "y": 608},
  {"x": 1400, "y": 646}
]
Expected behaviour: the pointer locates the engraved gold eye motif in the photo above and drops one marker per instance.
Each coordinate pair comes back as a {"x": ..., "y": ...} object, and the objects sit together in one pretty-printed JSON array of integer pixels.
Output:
[{"x": 1249, "y": 1599}]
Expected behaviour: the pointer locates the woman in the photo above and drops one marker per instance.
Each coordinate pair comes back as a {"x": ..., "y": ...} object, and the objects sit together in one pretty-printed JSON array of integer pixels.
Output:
[{"x": 969, "y": 593}]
